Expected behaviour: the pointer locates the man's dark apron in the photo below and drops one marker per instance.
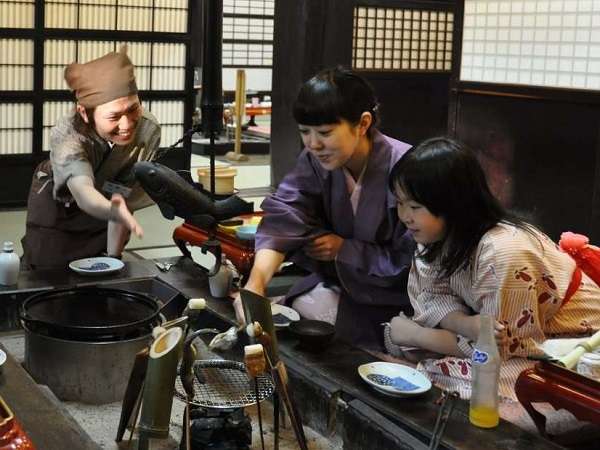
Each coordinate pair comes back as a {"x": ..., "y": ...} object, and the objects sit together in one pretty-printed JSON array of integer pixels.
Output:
[{"x": 56, "y": 233}]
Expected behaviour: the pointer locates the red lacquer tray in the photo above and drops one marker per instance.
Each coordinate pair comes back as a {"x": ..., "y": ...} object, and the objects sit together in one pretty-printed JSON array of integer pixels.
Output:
[
  {"x": 562, "y": 388},
  {"x": 12, "y": 436},
  {"x": 240, "y": 253}
]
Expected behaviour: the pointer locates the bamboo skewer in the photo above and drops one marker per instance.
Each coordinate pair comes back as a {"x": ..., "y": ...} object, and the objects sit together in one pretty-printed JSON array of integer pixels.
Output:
[
  {"x": 280, "y": 378},
  {"x": 256, "y": 364}
]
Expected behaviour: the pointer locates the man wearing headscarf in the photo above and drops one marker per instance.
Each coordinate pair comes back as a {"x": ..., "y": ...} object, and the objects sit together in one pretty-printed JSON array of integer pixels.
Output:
[{"x": 81, "y": 199}]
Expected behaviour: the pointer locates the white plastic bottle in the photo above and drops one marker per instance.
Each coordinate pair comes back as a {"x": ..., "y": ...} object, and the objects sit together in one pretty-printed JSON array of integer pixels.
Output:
[
  {"x": 485, "y": 372},
  {"x": 9, "y": 265}
]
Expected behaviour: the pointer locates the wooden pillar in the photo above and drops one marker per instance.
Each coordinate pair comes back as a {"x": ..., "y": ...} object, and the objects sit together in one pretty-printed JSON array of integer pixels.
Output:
[{"x": 309, "y": 35}]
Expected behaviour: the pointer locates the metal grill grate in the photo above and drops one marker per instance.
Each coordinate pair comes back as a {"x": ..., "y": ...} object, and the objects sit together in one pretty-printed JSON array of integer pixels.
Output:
[{"x": 226, "y": 385}]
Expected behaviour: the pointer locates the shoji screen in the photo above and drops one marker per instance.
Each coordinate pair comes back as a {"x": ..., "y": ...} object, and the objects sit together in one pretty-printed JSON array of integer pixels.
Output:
[
  {"x": 123, "y": 15},
  {"x": 551, "y": 43},
  {"x": 16, "y": 13},
  {"x": 402, "y": 39},
  {"x": 16, "y": 76},
  {"x": 170, "y": 115},
  {"x": 81, "y": 30},
  {"x": 38, "y": 38},
  {"x": 248, "y": 42},
  {"x": 16, "y": 125}
]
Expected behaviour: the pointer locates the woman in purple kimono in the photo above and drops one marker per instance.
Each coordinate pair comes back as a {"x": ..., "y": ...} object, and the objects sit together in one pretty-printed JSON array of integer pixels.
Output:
[{"x": 334, "y": 215}]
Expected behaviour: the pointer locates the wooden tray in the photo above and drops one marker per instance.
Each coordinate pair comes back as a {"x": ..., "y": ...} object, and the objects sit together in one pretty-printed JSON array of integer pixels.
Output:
[{"x": 560, "y": 387}]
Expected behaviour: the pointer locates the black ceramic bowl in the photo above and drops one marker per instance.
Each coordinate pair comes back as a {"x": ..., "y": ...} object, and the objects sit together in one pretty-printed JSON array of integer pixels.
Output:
[{"x": 312, "y": 334}]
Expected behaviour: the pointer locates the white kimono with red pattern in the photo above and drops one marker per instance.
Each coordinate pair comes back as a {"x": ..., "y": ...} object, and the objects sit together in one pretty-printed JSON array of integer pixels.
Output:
[{"x": 519, "y": 278}]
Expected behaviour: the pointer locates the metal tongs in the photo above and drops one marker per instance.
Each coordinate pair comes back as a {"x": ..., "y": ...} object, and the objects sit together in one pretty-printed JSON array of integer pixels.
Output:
[
  {"x": 447, "y": 402},
  {"x": 280, "y": 378}
]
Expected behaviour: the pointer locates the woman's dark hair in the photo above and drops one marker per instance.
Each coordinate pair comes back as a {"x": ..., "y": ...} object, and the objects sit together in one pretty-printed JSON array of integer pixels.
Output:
[
  {"x": 332, "y": 95},
  {"x": 446, "y": 177}
]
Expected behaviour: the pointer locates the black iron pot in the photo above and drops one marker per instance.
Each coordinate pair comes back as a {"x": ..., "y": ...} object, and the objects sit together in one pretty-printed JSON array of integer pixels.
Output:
[
  {"x": 82, "y": 342},
  {"x": 93, "y": 314},
  {"x": 312, "y": 335}
]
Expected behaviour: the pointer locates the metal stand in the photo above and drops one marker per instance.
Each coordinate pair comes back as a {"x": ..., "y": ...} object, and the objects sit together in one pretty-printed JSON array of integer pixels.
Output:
[{"x": 212, "y": 83}]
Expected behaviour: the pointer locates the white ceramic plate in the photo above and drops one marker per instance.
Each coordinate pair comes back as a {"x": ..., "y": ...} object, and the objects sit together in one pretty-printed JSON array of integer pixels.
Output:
[
  {"x": 2, "y": 358},
  {"x": 289, "y": 313},
  {"x": 419, "y": 382},
  {"x": 96, "y": 266}
]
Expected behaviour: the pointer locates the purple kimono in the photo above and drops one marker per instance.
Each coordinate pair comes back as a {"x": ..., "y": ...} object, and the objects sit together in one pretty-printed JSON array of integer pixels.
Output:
[{"x": 373, "y": 263}]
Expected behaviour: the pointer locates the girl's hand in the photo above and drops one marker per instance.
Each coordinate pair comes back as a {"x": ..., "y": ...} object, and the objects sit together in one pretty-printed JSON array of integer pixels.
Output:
[
  {"x": 499, "y": 330},
  {"x": 500, "y": 334},
  {"x": 404, "y": 331},
  {"x": 324, "y": 248},
  {"x": 121, "y": 214}
]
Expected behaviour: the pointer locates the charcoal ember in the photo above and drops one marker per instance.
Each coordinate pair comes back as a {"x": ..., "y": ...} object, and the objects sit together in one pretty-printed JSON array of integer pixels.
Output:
[{"x": 218, "y": 429}]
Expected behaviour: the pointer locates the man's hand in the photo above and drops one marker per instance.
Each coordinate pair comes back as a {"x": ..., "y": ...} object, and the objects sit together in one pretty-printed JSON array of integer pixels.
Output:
[
  {"x": 121, "y": 214},
  {"x": 324, "y": 248}
]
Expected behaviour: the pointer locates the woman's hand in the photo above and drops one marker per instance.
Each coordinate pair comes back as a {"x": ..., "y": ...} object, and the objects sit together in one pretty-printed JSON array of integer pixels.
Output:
[
  {"x": 238, "y": 307},
  {"x": 500, "y": 334},
  {"x": 324, "y": 248},
  {"x": 266, "y": 263},
  {"x": 121, "y": 214}
]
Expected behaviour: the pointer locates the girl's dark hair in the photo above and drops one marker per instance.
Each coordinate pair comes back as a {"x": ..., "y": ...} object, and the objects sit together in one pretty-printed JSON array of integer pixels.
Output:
[
  {"x": 332, "y": 95},
  {"x": 446, "y": 177}
]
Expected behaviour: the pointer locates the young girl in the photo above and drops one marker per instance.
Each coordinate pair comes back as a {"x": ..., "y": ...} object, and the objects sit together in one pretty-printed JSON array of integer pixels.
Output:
[
  {"x": 335, "y": 216},
  {"x": 474, "y": 257}
]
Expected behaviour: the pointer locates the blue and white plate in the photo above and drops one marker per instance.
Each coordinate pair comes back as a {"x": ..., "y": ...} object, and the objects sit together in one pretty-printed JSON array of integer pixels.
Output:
[
  {"x": 96, "y": 266},
  {"x": 393, "y": 379},
  {"x": 283, "y": 315}
]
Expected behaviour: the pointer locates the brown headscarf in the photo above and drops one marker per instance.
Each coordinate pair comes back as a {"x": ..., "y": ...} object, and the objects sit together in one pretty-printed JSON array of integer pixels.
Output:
[{"x": 102, "y": 80}]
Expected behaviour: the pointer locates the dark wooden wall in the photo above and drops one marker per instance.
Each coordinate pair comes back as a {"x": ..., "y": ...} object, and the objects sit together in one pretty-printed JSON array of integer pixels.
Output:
[
  {"x": 313, "y": 34},
  {"x": 15, "y": 179},
  {"x": 308, "y": 35},
  {"x": 540, "y": 156},
  {"x": 413, "y": 107}
]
